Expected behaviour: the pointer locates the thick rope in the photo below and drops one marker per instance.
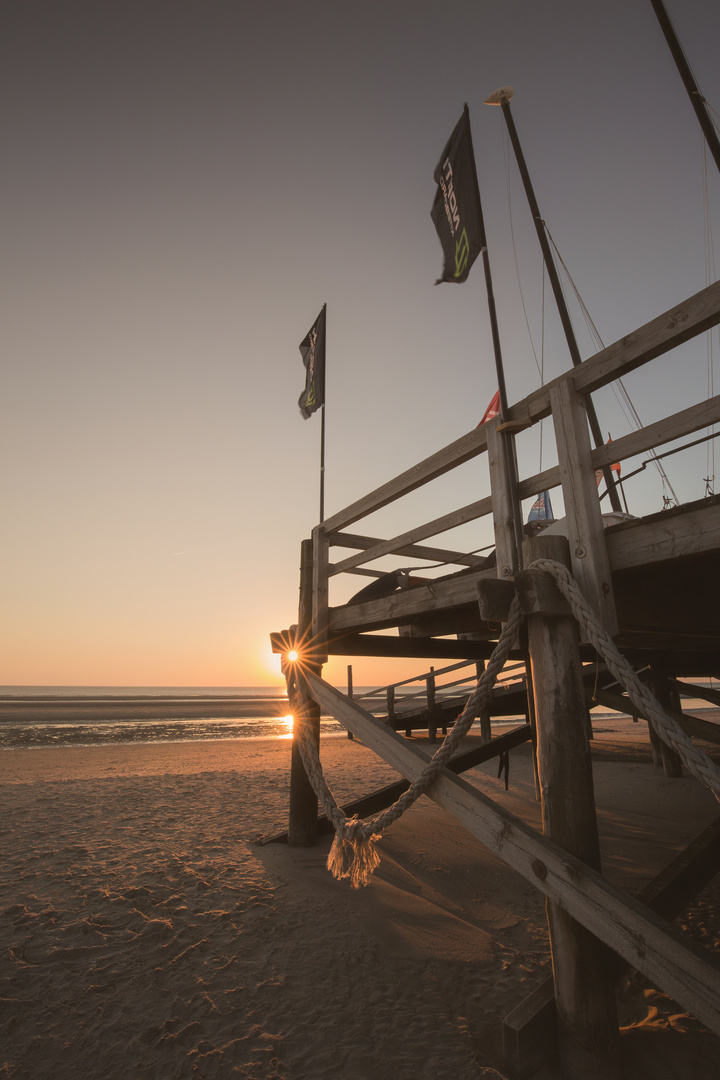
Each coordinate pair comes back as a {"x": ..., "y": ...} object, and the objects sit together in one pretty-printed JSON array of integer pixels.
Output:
[
  {"x": 697, "y": 762},
  {"x": 353, "y": 853}
]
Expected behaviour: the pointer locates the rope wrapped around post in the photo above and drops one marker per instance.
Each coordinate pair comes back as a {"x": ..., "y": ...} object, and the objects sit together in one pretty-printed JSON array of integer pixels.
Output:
[
  {"x": 697, "y": 762},
  {"x": 353, "y": 854}
]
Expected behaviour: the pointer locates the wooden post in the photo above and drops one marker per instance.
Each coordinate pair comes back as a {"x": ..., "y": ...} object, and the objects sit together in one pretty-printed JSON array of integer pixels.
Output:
[
  {"x": 655, "y": 746},
  {"x": 587, "y": 1014},
  {"x": 391, "y": 706},
  {"x": 302, "y": 824},
  {"x": 671, "y": 760},
  {"x": 320, "y": 561},
  {"x": 588, "y": 551},
  {"x": 533, "y": 726},
  {"x": 350, "y": 693},
  {"x": 432, "y": 717},
  {"x": 502, "y": 500},
  {"x": 485, "y": 720}
]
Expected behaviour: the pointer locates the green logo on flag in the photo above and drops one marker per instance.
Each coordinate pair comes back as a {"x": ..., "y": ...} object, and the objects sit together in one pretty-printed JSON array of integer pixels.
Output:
[{"x": 462, "y": 252}]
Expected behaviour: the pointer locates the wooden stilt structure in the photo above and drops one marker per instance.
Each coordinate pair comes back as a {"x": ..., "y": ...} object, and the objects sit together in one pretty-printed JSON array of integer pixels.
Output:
[{"x": 654, "y": 585}]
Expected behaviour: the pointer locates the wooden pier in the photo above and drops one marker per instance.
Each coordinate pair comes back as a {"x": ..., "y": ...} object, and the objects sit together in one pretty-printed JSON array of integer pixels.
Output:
[{"x": 654, "y": 585}]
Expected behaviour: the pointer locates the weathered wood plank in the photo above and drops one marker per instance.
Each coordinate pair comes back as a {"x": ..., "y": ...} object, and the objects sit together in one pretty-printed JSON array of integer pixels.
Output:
[
  {"x": 530, "y": 1030},
  {"x": 586, "y": 1009},
  {"x": 302, "y": 818},
  {"x": 320, "y": 593},
  {"x": 686, "y": 320},
  {"x": 585, "y": 531},
  {"x": 429, "y": 648},
  {"x": 385, "y": 796},
  {"x": 664, "y": 431},
  {"x": 415, "y": 551},
  {"x": 689, "y": 533},
  {"x": 691, "y": 725},
  {"x": 502, "y": 501},
  {"x": 637, "y": 442},
  {"x": 449, "y": 457},
  {"x": 644, "y": 940},
  {"x": 692, "y": 690},
  {"x": 401, "y": 607}
]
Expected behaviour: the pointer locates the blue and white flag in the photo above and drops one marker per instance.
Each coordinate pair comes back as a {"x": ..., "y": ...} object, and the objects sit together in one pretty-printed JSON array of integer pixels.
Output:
[{"x": 541, "y": 509}]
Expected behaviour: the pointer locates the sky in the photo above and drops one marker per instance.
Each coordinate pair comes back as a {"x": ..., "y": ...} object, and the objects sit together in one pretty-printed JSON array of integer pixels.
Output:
[{"x": 187, "y": 182}]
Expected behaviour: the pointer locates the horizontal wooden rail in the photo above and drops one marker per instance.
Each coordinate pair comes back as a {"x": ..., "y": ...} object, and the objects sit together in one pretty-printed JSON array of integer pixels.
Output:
[
  {"x": 414, "y": 551},
  {"x": 637, "y": 442},
  {"x": 456, "y": 453},
  {"x": 664, "y": 431},
  {"x": 686, "y": 320},
  {"x": 439, "y": 525}
]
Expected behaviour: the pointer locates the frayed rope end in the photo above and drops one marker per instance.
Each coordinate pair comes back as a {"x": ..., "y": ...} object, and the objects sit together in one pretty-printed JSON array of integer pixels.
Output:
[{"x": 353, "y": 854}]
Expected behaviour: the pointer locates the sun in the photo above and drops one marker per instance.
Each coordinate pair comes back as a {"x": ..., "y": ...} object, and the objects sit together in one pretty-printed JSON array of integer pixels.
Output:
[{"x": 292, "y": 656}]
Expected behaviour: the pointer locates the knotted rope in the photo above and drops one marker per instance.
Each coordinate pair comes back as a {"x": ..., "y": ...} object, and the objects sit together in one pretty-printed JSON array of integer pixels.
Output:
[
  {"x": 353, "y": 853},
  {"x": 669, "y": 730}
]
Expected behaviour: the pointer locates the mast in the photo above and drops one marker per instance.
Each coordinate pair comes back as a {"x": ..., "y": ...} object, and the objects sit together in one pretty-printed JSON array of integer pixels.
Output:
[
  {"x": 499, "y": 369},
  {"x": 322, "y": 466},
  {"x": 696, "y": 99},
  {"x": 502, "y": 97}
]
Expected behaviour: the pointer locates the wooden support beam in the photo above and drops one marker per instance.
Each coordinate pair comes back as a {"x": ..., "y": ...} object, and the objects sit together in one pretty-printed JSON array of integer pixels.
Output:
[
  {"x": 404, "y": 606},
  {"x": 641, "y": 938},
  {"x": 507, "y": 555},
  {"x": 691, "y": 725},
  {"x": 420, "y": 532},
  {"x": 429, "y": 648},
  {"x": 682, "y": 531},
  {"x": 421, "y": 647},
  {"x": 671, "y": 760},
  {"x": 414, "y": 551},
  {"x": 585, "y": 1001},
  {"x": 320, "y": 593},
  {"x": 385, "y": 796},
  {"x": 530, "y": 1030},
  {"x": 585, "y": 531},
  {"x": 692, "y": 690},
  {"x": 302, "y": 825}
]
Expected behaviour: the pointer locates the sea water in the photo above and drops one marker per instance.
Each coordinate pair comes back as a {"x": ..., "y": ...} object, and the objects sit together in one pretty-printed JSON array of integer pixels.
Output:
[{"x": 258, "y": 712}]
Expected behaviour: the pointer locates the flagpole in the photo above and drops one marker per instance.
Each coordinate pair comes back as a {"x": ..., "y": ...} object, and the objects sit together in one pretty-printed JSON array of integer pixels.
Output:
[
  {"x": 499, "y": 369},
  {"x": 322, "y": 465},
  {"x": 502, "y": 97},
  {"x": 696, "y": 99}
]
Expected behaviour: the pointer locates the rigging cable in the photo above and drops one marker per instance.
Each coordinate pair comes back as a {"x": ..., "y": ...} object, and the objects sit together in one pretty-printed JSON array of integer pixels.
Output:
[
  {"x": 618, "y": 387},
  {"x": 540, "y": 365}
]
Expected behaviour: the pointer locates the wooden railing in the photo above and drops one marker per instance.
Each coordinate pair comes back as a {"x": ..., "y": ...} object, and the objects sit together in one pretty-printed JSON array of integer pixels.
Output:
[{"x": 563, "y": 398}]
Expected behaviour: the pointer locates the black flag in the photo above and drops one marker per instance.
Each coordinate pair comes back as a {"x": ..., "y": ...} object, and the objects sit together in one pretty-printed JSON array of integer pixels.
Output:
[
  {"x": 456, "y": 209},
  {"x": 312, "y": 350}
]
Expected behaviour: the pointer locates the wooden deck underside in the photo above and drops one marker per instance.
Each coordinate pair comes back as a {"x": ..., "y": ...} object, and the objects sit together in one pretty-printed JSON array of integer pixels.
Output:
[{"x": 666, "y": 578}]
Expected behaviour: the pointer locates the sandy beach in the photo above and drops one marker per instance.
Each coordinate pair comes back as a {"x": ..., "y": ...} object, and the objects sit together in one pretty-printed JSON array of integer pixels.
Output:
[{"x": 145, "y": 933}]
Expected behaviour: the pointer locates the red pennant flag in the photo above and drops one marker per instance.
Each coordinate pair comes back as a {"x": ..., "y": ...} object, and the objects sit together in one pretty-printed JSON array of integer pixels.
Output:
[{"x": 492, "y": 410}]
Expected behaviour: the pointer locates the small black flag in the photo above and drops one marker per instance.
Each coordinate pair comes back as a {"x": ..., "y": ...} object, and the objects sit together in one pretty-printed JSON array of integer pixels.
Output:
[
  {"x": 456, "y": 209},
  {"x": 312, "y": 350}
]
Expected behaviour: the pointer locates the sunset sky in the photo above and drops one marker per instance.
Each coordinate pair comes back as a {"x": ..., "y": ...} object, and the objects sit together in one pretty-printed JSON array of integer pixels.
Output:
[{"x": 186, "y": 182}]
